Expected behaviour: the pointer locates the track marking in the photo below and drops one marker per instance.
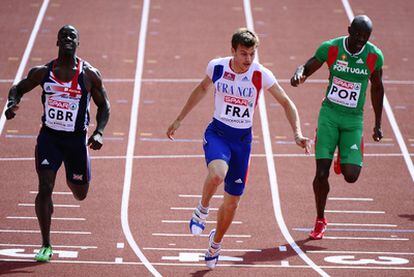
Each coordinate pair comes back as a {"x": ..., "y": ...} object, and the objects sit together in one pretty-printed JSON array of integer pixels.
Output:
[
  {"x": 54, "y": 246},
  {"x": 362, "y": 224},
  {"x": 186, "y": 221},
  {"x": 388, "y": 111},
  {"x": 271, "y": 163},
  {"x": 191, "y": 235},
  {"x": 120, "y": 245},
  {"x": 354, "y": 212},
  {"x": 26, "y": 55},
  {"x": 52, "y": 232},
  {"x": 365, "y": 238},
  {"x": 203, "y": 265},
  {"x": 349, "y": 199},
  {"x": 282, "y": 248},
  {"x": 359, "y": 252},
  {"x": 132, "y": 138},
  {"x": 199, "y": 249},
  {"x": 54, "y": 205},
  {"x": 53, "y": 218},
  {"x": 189, "y": 209},
  {"x": 359, "y": 230},
  {"x": 197, "y": 196},
  {"x": 55, "y": 192},
  {"x": 142, "y": 157},
  {"x": 119, "y": 260}
]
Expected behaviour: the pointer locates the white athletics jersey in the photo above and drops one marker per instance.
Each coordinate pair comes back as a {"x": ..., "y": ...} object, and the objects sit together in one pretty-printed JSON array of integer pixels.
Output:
[{"x": 236, "y": 95}]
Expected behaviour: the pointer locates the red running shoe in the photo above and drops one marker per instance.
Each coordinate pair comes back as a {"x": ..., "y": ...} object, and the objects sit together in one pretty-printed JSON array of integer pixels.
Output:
[
  {"x": 337, "y": 164},
  {"x": 319, "y": 229}
]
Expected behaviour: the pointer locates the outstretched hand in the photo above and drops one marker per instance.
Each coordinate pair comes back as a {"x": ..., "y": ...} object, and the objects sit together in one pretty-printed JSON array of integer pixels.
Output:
[
  {"x": 171, "y": 130},
  {"x": 298, "y": 77},
  {"x": 95, "y": 141},
  {"x": 377, "y": 135},
  {"x": 10, "y": 112},
  {"x": 303, "y": 142}
]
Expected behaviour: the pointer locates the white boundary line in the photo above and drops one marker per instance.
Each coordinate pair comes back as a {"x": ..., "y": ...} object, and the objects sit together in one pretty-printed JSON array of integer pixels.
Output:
[
  {"x": 26, "y": 55},
  {"x": 54, "y": 246},
  {"x": 131, "y": 139},
  {"x": 359, "y": 252},
  {"x": 388, "y": 110},
  {"x": 23, "y": 159},
  {"x": 271, "y": 164}
]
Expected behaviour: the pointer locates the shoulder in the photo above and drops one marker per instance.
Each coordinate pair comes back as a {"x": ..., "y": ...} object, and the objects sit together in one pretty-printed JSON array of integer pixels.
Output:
[
  {"x": 333, "y": 42},
  {"x": 219, "y": 61},
  {"x": 38, "y": 73},
  {"x": 91, "y": 72},
  {"x": 372, "y": 48},
  {"x": 262, "y": 68}
]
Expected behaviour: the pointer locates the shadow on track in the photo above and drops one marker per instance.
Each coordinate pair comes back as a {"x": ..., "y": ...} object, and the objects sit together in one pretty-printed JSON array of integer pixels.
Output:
[{"x": 17, "y": 267}]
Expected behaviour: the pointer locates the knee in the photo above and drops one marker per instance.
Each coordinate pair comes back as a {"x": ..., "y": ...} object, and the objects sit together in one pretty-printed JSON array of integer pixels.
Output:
[
  {"x": 231, "y": 206},
  {"x": 322, "y": 175},
  {"x": 217, "y": 177},
  {"x": 351, "y": 178}
]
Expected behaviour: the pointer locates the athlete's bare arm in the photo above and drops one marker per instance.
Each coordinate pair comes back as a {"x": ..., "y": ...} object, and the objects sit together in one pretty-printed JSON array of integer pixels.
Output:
[
  {"x": 304, "y": 71},
  {"x": 196, "y": 95},
  {"x": 377, "y": 96},
  {"x": 33, "y": 79},
  {"x": 100, "y": 98},
  {"x": 291, "y": 114}
]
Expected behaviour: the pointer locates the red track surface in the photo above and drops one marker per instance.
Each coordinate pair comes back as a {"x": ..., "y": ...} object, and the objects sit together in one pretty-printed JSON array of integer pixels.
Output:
[{"x": 182, "y": 37}]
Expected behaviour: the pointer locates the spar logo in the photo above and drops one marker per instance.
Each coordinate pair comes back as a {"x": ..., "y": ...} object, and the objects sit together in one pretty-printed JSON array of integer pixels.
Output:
[
  {"x": 59, "y": 104},
  {"x": 236, "y": 101},
  {"x": 344, "y": 84}
]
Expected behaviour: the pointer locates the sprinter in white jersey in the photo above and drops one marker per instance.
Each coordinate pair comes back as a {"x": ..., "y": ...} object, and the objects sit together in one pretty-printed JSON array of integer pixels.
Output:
[{"x": 238, "y": 82}]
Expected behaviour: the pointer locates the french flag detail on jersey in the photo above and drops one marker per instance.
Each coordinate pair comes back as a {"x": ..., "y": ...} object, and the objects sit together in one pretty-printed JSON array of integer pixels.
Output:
[{"x": 236, "y": 94}]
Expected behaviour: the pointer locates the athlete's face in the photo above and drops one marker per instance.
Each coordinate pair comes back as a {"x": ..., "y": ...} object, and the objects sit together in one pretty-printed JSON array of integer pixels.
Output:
[
  {"x": 243, "y": 57},
  {"x": 68, "y": 39},
  {"x": 358, "y": 37}
]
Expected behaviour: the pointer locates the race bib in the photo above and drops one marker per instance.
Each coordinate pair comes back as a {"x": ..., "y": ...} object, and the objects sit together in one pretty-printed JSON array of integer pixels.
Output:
[
  {"x": 236, "y": 110},
  {"x": 344, "y": 93},
  {"x": 61, "y": 113}
]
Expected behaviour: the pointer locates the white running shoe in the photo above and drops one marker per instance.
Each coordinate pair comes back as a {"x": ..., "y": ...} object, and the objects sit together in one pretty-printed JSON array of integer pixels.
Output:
[
  {"x": 198, "y": 222},
  {"x": 212, "y": 255}
]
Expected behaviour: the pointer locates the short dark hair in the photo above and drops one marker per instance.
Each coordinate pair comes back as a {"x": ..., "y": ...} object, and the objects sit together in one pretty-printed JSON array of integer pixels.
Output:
[{"x": 245, "y": 37}]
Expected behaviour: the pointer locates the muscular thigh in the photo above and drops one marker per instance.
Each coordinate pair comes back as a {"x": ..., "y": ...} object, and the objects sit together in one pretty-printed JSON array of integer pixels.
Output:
[
  {"x": 327, "y": 135},
  {"x": 350, "y": 141},
  {"x": 48, "y": 154},
  {"x": 76, "y": 160}
]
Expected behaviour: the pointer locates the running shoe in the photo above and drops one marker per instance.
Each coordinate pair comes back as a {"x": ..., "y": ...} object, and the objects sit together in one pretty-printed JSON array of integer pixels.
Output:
[
  {"x": 45, "y": 254},
  {"x": 198, "y": 222},
  {"x": 337, "y": 164},
  {"x": 213, "y": 252},
  {"x": 319, "y": 229}
]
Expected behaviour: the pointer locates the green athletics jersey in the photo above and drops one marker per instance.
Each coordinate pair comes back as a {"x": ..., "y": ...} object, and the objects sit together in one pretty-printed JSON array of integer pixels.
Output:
[{"x": 349, "y": 73}]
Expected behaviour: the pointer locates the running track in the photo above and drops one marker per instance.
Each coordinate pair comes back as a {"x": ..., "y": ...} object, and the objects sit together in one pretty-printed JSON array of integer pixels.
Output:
[{"x": 134, "y": 221}]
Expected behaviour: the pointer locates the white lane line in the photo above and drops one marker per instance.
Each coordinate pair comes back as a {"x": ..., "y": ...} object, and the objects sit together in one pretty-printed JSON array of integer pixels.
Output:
[
  {"x": 362, "y": 224},
  {"x": 119, "y": 260},
  {"x": 271, "y": 163},
  {"x": 197, "y": 196},
  {"x": 54, "y": 205},
  {"x": 354, "y": 212},
  {"x": 389, "y": 112},
  {"x": 284, "y": 263},
  {"x": 200, "y": 249},
  {"x": 52, "y": 232},
  {"x": 26, "y": 55},
  {"x": 120, "y": 245},
  {"x": 186, "y": 221},
  {"x": 55, "y": 192},
  {"x": 189, "y": 209},
  {"x": 54, "y": 246},
  {"x": 53, "y": 218},
  {"x": 349, "y": 199},
  {"x": 202, "y": 235},
  {"x": 202, "y": 265},
  {"x": 364, "y": 238},
  {"x": 132, "y": 138},
  {"x": 359, "y": 252},
  {"x": 138, "y": 157}
]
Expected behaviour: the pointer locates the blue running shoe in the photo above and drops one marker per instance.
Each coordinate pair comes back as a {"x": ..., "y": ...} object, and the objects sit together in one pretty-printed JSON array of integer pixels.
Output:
[
  {"x": 213, "y": 252},
  {"x": 198, "y": 222}
]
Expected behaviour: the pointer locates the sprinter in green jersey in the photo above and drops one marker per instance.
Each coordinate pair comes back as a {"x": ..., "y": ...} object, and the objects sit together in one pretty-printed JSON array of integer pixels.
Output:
[{"x": 352, "y": 61}]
